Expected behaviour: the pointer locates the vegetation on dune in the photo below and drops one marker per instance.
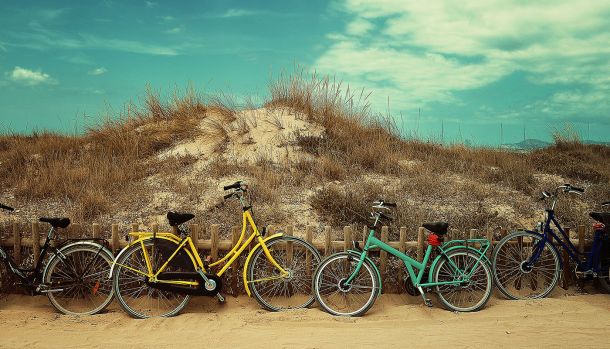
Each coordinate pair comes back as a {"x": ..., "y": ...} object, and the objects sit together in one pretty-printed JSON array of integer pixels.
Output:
[{"x": 359, "y": 157}]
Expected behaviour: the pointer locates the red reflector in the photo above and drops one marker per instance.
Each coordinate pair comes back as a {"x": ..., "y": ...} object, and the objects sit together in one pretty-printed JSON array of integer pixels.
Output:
[
  {"x": 434, "y": 240},
  {"x": 598, "y": 226}
]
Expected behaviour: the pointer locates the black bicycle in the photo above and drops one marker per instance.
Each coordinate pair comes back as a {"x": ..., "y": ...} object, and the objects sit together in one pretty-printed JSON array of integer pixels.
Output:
[{"x": 74, "y": 276}]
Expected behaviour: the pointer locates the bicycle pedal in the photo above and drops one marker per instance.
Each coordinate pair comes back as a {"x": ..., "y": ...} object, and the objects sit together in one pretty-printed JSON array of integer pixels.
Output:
[
  {"x": 221, "y": 299},
  {"x": 428, "y": 303}
]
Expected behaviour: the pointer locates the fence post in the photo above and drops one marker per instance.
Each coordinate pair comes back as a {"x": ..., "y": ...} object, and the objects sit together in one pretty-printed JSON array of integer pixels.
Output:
[
  {"x": 35, "y": 242},
  {"x": 96, "y": 231},
  {"x": 581, "y": 238},
  {"x": 16, "y": 244},
  {"x": 473, "y": 233},
  {"x": 289, "y": 232},
  {"x": 308, "y": 238},
  {"x": 567, "y": 270},
  {"x": 347, "y": 237},
  {"x": 235, "y": 233},
  {"x": 383, "y": 255},
  {"x": 327, "y": 245},
  {"x": 402, "y": 248},
  {"x": 214, "y": 241},
  {"x": 195, "y": 234},
  {"x": 75, "y": 231},
  {"x": 420, "y": 243},
  {"x": 115, "y": 238},
  {"x": 134, "y": 228}
]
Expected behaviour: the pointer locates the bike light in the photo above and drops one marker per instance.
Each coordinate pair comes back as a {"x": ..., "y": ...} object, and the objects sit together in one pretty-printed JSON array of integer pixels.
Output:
[
  {"x": 434, "y": 240},
  {"x": 598, "y": 226}
]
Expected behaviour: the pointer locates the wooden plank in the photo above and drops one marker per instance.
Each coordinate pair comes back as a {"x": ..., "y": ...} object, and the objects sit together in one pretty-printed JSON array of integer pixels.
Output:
[
  {"x": 308, "y": 257},
  {"x": 214, "y": 241},
  {"x": 289, "y": 251},
  {"x": 97, "y": 231},
  {"x": 347, "y": 238},
  {"x": 16, "y": 244},
  {"x": 402, "y": 248},
  {"x": 35, "y": 242},
  {"x": 581, "y": 238},
  {"x": 75, "y": 231},
  {"x": 195, "y": 234},
  {"x": 473, "y": 234},
  {"x": 327, "y": 244},
  {"x": 235, "y": 268},
  {"x": 115, "y": 238},
  {"x": 383, "y": 255},
  {"x": 420, "y": 243}
]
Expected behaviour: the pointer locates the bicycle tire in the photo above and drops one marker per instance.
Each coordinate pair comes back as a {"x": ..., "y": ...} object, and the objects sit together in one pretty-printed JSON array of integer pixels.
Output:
[
  {"x": 508, "y": 267},
  {"x": 327, "y": 284},
  {"x": 127, "y": 283},
  {"x": 295, "y": 291},
  {"x": 92, "y": 292},
  {"x": 484, "y": 278}
]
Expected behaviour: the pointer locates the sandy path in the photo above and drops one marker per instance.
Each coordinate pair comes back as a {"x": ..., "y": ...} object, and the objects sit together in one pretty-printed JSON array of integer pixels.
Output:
[{"x": 565, "y": 321}]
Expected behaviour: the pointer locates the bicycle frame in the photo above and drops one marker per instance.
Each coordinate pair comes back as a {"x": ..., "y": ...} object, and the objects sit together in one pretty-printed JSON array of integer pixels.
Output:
[
  {"x": 589, "y": 263},
  {"x": 186, "y": 244},
  {"x": 372, "y": 242}
]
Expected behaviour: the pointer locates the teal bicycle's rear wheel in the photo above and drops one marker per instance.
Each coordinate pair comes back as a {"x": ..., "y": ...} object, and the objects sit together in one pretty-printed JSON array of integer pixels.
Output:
[
  {"x": 470, "y": 296},
  {"x": 339, "y": 299}
]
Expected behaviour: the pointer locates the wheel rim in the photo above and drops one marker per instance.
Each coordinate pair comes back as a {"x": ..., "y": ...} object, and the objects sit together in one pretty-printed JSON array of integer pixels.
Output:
[
  {"x": 83, "y": 278},
  {"x": 277, "y": 292},
  {"x": 135, "y": 295},
  {"x": 516, "y": 276},
  {"x": 332, "y": 293},
  {"x": 469, "y": 295}
]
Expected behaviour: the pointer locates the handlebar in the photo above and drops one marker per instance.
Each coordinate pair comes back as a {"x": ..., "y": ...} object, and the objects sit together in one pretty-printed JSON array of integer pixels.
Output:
[
  {"x": 233, "y": 186},
  {"x": 568, "y": 188},
  {"x": 606, "y": 203},
  {"x": 382, "y": 204},
  {"x": 8, "y": 208}
]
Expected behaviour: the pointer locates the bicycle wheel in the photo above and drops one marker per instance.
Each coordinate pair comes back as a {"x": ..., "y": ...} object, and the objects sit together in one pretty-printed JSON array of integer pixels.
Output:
[
  {"x": 514, "y": 278},
  {"x": 135, "y": 294},
  {"x": 77, "y": 279},
  {"x": 602, "y": 280},
  {"x": 274, "y": 292},
  {"x": 339, "y": 299},
  {"x": 474, "y": 294}
]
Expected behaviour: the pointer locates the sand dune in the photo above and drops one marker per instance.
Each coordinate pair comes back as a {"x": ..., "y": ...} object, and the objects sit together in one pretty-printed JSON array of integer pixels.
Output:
[{"x": 396, "y": 321}]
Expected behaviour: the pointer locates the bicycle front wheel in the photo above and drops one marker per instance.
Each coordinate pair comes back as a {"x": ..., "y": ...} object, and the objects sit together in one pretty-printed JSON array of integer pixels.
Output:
[
  {"x": 471, "y": 295},
  {"x": 338, "y": 298},
  {"x": 515, "y": 275},
  {"x": 276, "y": 292},
  {"x": 77, "y": 279},
  {"x": 130, "y": 280}
]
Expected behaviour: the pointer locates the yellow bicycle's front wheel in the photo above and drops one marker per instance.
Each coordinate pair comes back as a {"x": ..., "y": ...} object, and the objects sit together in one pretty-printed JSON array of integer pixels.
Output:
[{"x": 277, "y": 291}]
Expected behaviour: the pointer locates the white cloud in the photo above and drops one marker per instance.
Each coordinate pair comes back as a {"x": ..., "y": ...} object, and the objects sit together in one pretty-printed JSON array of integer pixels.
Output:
[
  {"x": 98, "y": 71},
  {"x": 150, "y": 4},
  {"x": 30, "y": 77},
  {"x": 425, "y": 52},
  {"x": 175, "y": 30},
  {"x": 230, "y": 13}
]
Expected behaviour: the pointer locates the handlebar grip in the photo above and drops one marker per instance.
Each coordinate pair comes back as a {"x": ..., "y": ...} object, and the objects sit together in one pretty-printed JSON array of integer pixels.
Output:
[
  {"x": 606, "y": 203},
  {"x": 233, "y": 186},
  {"x": 389, "y": 204},
  {"x": 8, "y": 208},
  {"x": 228, "y": 196},
  {"x": 580, "y": 190}
]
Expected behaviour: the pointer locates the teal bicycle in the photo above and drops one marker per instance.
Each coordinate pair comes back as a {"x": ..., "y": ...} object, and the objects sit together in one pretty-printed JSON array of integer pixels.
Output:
[{"x": 348, "y": 283}]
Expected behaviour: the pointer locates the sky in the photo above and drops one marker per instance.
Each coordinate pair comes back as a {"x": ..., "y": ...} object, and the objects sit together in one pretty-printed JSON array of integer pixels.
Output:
[{"x": 479, "y": 72}]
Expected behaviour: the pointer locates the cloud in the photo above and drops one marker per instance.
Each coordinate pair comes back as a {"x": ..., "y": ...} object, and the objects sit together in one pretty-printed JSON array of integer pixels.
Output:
[
  {"x": 231, "y": 13},
  {"x": 51, "y": 14},
  {"x": 175, "y": 30},
  {"x": 30, "y": 77},
  {"x": 98, "y": 71},
  {"x": 151, "y": 4},
  {"x": 426, "y": 52}
]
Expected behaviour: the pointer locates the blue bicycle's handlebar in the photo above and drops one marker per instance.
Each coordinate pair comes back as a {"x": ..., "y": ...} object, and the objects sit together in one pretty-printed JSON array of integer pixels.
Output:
[{"x": 8, "y": 208}]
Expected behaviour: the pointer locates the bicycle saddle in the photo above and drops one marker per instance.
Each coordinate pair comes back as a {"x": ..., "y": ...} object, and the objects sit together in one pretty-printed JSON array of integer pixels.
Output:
[
  {"x": 176, "y": 218},
  {"x": 439, "y": 228},
  {"x": 56, "y": 222},
  {"x": 602, "y": 217}
]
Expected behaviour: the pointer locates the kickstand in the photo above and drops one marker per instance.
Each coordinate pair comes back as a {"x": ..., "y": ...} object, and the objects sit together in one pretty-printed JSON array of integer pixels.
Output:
[
  {"x": 423, "y": 295},
  {"x": 221, "y": 299}
]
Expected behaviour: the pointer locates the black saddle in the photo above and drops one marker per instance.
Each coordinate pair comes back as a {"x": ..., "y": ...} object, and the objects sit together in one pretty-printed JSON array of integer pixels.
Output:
[
  {"x": 602, "y": 217},
  {"x": 56, "y": 222},
  {"x": 439, "y": 228},
  {"x": 176, "y": 218}
]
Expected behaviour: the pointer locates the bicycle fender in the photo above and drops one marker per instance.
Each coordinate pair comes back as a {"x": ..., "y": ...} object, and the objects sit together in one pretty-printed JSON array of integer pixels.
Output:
[
  {"x": 146, "y": 238},
  {"x": 76, "y": 243},
  {"x": 453, "y": 248},
  {"x": 357, "y": 254},
  {"x": 245, "y": 272}
]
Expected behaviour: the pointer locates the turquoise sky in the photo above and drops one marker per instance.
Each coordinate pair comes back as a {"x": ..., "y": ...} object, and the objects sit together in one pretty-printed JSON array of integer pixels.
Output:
[{"x": 463, "y": 67}]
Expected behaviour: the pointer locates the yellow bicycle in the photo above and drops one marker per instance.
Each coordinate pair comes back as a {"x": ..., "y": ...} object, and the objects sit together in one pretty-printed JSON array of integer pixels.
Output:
[{"x": 158, "y": 272}]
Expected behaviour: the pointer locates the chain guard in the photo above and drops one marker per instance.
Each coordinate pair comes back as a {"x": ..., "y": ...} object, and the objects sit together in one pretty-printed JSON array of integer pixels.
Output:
[{"x": 200, "y": 290}]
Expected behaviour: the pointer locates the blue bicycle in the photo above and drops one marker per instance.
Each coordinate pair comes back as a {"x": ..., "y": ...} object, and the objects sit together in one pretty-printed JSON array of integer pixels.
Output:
[{"x": 527, "y": 264}]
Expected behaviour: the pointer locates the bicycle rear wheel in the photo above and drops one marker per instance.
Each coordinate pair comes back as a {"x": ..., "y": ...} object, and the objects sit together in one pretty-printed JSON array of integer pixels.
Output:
[
  {"x": 515, "y": 278},
  {"x": 339, "y": 299},
  {"x": 137, "y": 297},
  {"x": 470, "y": 296},
  {"x": 275, "y": 292},
  {"x": 77, "y": 279}
]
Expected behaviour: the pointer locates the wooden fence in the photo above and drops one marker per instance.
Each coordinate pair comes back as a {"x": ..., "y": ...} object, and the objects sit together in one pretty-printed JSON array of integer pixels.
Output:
[{"x": 214, "y": 245}]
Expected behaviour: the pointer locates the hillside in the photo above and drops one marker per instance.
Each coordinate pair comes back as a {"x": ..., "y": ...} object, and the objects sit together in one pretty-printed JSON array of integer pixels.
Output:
[{"x": 313, "y": 154}]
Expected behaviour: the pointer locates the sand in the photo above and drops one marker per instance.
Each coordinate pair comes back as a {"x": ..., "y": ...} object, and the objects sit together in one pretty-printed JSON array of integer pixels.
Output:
[{"x": 396, "y": 321}]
